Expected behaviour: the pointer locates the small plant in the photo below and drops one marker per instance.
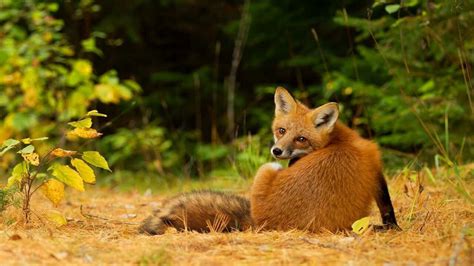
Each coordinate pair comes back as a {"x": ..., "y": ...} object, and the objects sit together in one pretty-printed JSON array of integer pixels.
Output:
[{"x": 49, "y": 172}]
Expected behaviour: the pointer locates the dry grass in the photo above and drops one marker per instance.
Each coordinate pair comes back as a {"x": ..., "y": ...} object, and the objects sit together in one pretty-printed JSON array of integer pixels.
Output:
[{"x": 437, "y": 223}]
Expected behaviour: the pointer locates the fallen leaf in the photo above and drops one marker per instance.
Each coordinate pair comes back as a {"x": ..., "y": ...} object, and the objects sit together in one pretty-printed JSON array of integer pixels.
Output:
[
  {"x": 57, "y": 218},
  {"x": 361, "y": 225},
  {"x": 15, "y": 237}
]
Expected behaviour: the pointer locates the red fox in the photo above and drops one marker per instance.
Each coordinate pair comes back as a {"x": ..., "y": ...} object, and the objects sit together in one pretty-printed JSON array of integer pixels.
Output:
[{"x": 332, "y": 178}]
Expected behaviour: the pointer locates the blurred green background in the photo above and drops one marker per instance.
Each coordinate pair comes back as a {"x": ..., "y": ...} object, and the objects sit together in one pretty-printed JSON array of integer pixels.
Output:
[{"x": 188, "y": 85}]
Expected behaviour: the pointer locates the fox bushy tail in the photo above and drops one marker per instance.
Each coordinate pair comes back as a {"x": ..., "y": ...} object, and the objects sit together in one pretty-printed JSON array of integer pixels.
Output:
[{"x": 201, "y": 211}]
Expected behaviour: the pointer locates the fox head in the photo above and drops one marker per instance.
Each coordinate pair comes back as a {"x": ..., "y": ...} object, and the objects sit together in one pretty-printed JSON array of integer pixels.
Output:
[{"x": 298, "y": 130}]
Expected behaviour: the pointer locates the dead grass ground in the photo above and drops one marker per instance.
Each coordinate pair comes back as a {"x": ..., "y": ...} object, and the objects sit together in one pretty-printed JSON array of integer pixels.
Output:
[{"x": 437, "y": 230}]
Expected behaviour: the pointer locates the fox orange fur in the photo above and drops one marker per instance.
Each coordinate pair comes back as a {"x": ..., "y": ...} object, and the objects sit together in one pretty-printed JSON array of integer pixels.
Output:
[{"x": 333, "y": 177}]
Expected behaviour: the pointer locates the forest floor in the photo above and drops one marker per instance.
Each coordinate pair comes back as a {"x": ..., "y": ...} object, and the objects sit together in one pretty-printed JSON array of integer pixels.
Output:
[{"x": 437, "y": 223}]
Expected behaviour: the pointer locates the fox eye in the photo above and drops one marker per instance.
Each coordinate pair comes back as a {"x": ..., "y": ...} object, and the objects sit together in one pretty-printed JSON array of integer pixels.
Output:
[
  {"x": 281, "y": 130},
  {"x": 301, "y": 139}
]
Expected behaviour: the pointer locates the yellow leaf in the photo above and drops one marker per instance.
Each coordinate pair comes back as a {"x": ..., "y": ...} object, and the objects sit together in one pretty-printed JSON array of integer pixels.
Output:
[
  {"x": 30, "y": 97},
  {"x": 86, "y": 133},
  {"x": 361, "y": 225},
  {"x": 86, "y": 122},
  {"x": 124, "y": 92},
  {"x": 57, "y": 218},
  {"x": 47, "y": 36},
  {"x": 68, "y": 176},
  {"x": 58, "y": 152},
  {"x": 84, "y": 67},
  {"x": 32, "y": 158},
  {"x": 26, "y": 141},
  {"x": 29, "y": 140},
  {"x": 95, "y": 159},
  {"x": 84, "y": 170},
  {"x": 53, "y": 190},
  {"x": 95, "y": 113},
  {"x": 107, "y": 93}
]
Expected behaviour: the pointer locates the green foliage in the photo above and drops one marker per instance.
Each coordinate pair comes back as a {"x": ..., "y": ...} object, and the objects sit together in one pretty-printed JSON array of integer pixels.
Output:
[
  {"x": 401, "y": 88},
  {"x": 138, "y": 149},
  {"x": 251, "y": 154},
  {"x": 6, "y": 197},
  {"x": 43, "y": 78}
]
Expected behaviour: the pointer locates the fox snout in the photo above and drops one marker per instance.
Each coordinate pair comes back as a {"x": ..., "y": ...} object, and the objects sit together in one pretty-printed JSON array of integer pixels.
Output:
[
  {"x": 279, "y": 153},
  {"x": 282, "y": 153},
  {"x": 276, "y": 152}
]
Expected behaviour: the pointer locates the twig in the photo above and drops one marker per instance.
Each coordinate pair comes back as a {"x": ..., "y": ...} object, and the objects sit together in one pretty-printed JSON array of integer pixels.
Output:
[
  {"x": 424, "y": 221},
  {"x": 92, "y": 216}
]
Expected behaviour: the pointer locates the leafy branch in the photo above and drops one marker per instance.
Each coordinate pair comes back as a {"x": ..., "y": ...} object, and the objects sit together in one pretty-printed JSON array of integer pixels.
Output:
[{"x": 31, "y": 174}]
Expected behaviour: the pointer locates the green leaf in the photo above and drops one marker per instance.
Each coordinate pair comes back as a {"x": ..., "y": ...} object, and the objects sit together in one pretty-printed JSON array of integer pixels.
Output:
[
  {"x": 134, "y": 86},
  {"x": 86, "y": 122},
  {"x": 95, "y": 113},
  {"x": 84, "y": 170},
  {"x": 94, "y": 158},
  {"x": 10, "y": 142},
  {"x": 411, "y": 3},
  {"x": 8, "y": 145},
  {"x": 90, "y": 46},
  {"x": 361, "y": 225},
  {"x": 392, "y": 8},
  {"x": 19, "y": 171},
  {"x": 68, "y": 176},
  {"x": 27, "y": 149},
  {"x": 53, "y": 7}
]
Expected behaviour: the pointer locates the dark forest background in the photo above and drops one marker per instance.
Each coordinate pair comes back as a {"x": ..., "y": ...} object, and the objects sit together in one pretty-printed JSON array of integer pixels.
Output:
[{"x": 188, "y": 85}]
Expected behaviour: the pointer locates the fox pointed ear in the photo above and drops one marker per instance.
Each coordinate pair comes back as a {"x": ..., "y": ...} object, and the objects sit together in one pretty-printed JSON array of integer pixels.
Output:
[
  {"x": 284, "y": 103},
  {"x": 325, "y": 116}
]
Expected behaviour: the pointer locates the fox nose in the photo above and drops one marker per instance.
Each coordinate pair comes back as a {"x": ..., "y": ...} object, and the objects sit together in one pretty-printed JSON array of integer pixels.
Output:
[{"x": 277, "y": 151}]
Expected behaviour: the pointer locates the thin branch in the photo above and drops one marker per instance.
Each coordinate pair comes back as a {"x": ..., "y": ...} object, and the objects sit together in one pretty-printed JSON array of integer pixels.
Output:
[
  {"x": 236, "y": 58},
  {"x": 316, "y": 38},
  {"x": 92, "y": 216}
]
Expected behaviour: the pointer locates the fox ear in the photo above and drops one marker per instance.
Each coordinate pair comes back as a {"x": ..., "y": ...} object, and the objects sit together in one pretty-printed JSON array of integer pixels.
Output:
[
  {"x": 284, "y": 103},
  {"x": 325, "y": 116}
]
